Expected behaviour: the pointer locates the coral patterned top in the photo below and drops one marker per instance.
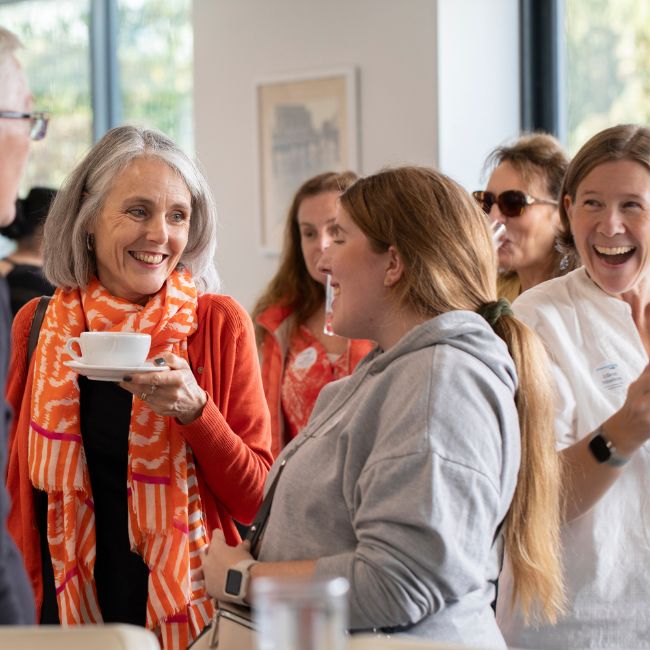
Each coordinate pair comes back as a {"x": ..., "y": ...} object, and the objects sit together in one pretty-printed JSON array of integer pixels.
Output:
[{"x": 308, "y": 369}]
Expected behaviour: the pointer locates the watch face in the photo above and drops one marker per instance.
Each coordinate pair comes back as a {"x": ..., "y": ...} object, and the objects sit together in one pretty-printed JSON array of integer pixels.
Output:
[
  {"x": 233, "y": 582},
  {"x": 599, "y": 449}
]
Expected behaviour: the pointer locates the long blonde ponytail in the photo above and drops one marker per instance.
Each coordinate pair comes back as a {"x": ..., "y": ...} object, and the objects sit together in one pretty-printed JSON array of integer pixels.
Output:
[{"x": 532, "y": 526}]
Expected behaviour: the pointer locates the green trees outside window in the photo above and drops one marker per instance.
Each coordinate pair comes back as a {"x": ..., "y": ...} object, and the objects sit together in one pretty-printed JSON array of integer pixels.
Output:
[
  {"x": 607, "y": 66},
  {"x": 154, "y": 73}
]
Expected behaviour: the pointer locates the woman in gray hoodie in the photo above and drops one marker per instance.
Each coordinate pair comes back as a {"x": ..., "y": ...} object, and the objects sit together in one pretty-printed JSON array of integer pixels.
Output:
[{"x": 416, "y": 471}]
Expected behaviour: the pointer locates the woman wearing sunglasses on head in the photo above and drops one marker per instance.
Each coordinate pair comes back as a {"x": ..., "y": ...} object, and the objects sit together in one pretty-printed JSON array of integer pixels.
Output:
[
  {"x": 594, "y": 323},
  {"x": 522, "y": 193}
]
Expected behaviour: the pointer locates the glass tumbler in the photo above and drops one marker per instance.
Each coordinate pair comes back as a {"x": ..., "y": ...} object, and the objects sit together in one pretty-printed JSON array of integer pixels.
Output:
[{"x": 301, "y": 614}]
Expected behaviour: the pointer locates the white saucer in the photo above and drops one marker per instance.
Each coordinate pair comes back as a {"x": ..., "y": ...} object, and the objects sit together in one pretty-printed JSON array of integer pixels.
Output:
[{"x": 111, "y": 373}]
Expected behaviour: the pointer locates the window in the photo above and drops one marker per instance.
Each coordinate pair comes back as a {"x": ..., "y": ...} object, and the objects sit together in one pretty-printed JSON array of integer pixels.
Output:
[
  {"x": 94, "y": 64},
  {"x": 607, "y": 66},
  {"x": 539, "y": 66},
  {"x": 57, "y": 61},
  {"x": 585, "y": 66},
  {"x": 155, "y": 61}
]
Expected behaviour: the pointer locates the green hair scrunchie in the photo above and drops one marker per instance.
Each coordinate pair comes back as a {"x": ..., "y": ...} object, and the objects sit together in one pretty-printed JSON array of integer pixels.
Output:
[{"x": 492, "y": 311}]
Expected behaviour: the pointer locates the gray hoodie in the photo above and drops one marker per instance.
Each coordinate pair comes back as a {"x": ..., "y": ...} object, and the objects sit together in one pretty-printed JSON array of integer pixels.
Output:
[{"x": 401, "y": 479}]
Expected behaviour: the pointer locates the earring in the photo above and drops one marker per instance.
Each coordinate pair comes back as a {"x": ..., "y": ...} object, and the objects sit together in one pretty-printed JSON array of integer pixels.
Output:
[
  {"x": 90, "y": 241},
  {"x": 564, "y": 263}
]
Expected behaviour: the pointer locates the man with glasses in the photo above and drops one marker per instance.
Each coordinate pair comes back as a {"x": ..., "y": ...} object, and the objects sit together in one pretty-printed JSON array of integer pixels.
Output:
[{"x": 18, "y": 125}]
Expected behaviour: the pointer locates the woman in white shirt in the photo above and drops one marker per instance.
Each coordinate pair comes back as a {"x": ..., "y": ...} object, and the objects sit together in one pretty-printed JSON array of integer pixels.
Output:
[{"x": 595, "y": 323}]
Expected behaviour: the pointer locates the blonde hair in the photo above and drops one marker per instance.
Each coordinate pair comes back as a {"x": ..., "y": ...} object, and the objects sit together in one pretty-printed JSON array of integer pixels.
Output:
[
  {"x": 450, "y": 264},
  {"x": 292, "y": 286}
]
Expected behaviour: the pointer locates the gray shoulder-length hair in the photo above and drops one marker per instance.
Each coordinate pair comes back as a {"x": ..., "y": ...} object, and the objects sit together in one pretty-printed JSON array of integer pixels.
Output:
[{"x": 69, "y": 263}]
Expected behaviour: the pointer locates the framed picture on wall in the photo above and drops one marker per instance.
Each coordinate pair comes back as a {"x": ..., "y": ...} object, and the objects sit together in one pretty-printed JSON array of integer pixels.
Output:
[{"x": 306, "y": 125}]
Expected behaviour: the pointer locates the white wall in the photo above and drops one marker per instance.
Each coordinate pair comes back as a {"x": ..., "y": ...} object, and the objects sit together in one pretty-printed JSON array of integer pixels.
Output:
[
  {"x": 419, "y": 64},
  {"x": 478, "y": 83}
]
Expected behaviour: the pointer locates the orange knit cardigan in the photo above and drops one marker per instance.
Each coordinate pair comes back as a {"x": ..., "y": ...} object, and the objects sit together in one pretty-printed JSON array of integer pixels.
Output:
[{"x": 230, "y": 441}]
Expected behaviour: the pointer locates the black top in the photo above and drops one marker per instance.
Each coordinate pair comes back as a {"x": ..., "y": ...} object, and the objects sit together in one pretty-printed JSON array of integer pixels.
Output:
[
  {"x": 16, "y": 598},
  {"x": 121, "y": 576},
  {"x": 26, "y": 281}
]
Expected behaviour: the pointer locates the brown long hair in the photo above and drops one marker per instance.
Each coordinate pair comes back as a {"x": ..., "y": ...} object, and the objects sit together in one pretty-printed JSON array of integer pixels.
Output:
[
  {"x": 292, "y": 286},
  {"x": 622, "y": 142},
  {"x": 538, "y": 156},
  {"x": 444, "y": 240}
]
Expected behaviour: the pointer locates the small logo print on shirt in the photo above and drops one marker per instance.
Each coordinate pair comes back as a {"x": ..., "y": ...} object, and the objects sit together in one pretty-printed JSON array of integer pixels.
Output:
[
  {"x": 609, "y": 376},
  {"x": 305, "y": 359}
]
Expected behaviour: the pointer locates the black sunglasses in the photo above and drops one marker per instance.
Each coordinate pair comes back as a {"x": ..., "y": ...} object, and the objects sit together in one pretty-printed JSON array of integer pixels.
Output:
[
  {"x": 512, "y": 203},
  {"x": 37, "y": 122}
]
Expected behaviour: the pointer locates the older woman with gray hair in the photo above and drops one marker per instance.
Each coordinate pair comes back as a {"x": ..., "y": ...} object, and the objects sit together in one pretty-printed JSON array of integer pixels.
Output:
[{"x": 125, "y": 478}]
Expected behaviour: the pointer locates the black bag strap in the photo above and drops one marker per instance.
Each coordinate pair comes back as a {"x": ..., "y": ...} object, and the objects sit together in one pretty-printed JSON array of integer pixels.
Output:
[
  {"x": 255, "y": 532},
  {"x": 35, "y": 329}
]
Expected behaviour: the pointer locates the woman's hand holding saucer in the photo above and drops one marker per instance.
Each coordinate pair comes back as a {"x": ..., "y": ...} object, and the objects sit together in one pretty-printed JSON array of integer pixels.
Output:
[{"x": 173, "y": 393}]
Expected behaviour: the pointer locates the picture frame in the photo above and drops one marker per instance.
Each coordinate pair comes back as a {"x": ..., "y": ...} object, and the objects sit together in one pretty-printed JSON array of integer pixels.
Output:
[{"x": 306, "y": 125}]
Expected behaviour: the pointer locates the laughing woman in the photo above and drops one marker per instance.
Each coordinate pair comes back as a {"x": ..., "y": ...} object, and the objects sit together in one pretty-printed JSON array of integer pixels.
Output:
[
  {"x": 123, "y": 480},
  {"x": 595, "y": 323},
  {"x": 413, "y": 472}
]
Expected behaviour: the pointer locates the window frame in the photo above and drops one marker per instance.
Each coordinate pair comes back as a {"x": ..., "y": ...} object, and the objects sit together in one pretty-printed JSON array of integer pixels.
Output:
[
  {"x": 542, "y": 66},
  {"x": 104, "y": 68}
]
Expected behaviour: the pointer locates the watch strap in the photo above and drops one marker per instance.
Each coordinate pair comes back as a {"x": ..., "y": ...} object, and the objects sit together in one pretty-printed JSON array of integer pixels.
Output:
[
  {"x": 243, "y": 569},
  {"x": 244, "y": 565},
  {"x": 604, "y": 451}
]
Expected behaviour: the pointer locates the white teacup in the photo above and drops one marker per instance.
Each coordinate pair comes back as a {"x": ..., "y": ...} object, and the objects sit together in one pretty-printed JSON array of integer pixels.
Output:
[{"x": 110, "y": 349}]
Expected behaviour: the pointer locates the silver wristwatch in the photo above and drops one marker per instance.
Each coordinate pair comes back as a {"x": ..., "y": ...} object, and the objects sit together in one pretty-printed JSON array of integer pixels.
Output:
[{"x": 237, "y": 578}]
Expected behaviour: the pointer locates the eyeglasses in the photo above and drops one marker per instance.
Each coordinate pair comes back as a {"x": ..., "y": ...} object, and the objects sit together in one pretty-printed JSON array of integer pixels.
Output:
[
  {"x": 512, "y": 203},
  {"x": 38, "y": 122}
]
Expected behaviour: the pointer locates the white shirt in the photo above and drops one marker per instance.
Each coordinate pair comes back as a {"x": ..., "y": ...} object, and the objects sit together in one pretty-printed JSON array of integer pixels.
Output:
[{"x": 596, "y": 352}]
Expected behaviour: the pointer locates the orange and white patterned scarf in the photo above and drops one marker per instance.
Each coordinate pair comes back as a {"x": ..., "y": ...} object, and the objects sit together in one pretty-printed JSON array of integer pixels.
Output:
[{"x": 165, "y": 516}]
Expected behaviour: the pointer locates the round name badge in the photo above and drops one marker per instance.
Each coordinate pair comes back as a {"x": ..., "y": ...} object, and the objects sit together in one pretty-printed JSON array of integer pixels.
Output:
[{"x": 305, "y": 359}]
